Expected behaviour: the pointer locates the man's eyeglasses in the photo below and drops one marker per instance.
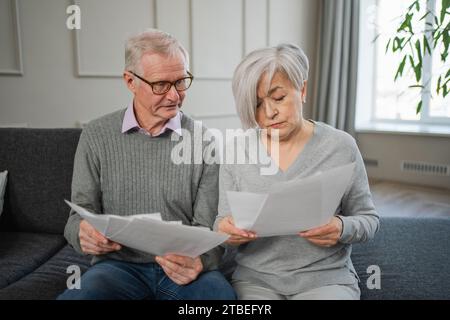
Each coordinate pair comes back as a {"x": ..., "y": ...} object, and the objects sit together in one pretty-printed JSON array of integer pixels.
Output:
[{"x": 162, "y": 87}]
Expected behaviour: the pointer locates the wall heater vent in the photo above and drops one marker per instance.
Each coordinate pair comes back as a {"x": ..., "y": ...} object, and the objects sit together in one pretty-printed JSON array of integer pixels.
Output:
[
  {"x": 425, "y": 168},
  {"x": 371, "y": 162}
]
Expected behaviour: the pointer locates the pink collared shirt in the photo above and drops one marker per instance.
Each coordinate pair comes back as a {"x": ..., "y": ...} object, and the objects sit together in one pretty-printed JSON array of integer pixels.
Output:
[{"x": 130, "y": 122}]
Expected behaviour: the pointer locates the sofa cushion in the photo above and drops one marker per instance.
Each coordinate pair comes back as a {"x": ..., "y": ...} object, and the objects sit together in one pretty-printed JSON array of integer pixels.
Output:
[
  {"x": 49, "y": 280},
  {"x": 40, "y": 165},
  {"x": 413, "y": 255},
  {"x": 3, "y": 179},
  {"x": 21, "y": 253}
]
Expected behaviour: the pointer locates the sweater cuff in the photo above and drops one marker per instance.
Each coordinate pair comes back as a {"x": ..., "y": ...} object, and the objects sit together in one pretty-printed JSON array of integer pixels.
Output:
[
  {"x": 216, "y": 223},
  {"x": 348, "y": 229},
  {"x": 72, "y": 231}
]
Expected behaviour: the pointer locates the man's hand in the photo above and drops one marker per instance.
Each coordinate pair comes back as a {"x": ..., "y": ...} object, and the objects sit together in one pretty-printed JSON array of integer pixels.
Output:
[
  {"x": 93, "y": 242},
  {"x": 327, "y": 235},
  {"x": 180, "y": 269},
  {"x": 237, "y": 236}
]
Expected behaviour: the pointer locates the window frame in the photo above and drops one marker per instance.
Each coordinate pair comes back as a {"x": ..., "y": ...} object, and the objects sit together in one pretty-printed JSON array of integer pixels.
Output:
[{"x": 366, "y": 119}]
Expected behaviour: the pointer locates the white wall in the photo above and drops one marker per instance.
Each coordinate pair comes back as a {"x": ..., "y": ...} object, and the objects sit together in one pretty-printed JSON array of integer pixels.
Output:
[
  {"x": 70, "y": 78},
  {"x": 391, "y": 149}
]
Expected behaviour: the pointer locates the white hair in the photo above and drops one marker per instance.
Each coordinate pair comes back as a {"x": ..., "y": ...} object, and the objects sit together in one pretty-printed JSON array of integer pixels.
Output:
[
  {"x": 286, "y": 58},
  {"x": 151, "y": 40}
]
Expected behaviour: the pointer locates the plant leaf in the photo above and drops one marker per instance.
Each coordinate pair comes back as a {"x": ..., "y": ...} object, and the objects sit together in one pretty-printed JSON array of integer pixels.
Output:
[
  {"x": 419, "y": 107},
  {"x": 400, "y": 68},
  {"x": 406, "y": 24},
  {"x": 418, "y": 72},
  {"x": 419, "y": 51},
  {"x": 416, "y": 86},
  {"x": 387, "y": 46},
  {"x": 397, "y": 45},
  {"x": 376, "y": 38},
  {"x": 425, "y": 15},
  {"x": 438, "y": 85},
  {"x": 416, "y": 4},
  {"x": 426, "y": 46}
]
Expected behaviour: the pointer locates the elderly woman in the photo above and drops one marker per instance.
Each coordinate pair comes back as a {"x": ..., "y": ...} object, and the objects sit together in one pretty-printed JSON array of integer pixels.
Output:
[{"x": 269, "y": 87}]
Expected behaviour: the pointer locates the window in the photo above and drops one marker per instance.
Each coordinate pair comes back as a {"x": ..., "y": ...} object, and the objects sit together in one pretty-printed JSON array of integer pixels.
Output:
[{"x": 383, "y": 102}]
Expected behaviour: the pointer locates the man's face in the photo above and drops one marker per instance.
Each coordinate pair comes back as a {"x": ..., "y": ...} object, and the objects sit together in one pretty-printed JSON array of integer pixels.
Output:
[{"x": 157, "y": 67}]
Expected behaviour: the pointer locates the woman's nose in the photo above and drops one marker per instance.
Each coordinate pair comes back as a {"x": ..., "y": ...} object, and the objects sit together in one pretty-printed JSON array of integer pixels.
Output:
[{"x": 269, "y": 110}]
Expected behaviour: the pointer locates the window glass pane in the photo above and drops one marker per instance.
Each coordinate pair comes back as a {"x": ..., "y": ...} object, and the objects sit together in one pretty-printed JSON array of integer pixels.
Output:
[
  {"x": 394, "y": 100},
  {"x": 439, "y": 107}
]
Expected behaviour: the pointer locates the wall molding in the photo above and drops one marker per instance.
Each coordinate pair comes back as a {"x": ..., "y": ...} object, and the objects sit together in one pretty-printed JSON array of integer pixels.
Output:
[
  {"x": 267, "y": 23},
  {"x": 191, "y": 42},
  {"x": 89, "y": 74},
  {"x": 18, "y": 45},
  {"x": 215, "y": 116},
  {"x": 77, "y": 47}
]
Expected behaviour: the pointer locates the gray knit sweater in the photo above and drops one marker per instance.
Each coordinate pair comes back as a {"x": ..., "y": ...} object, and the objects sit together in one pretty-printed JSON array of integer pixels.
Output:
[
  {"x": 132, "y": 173},
  {"x": 291, "y": 264}
]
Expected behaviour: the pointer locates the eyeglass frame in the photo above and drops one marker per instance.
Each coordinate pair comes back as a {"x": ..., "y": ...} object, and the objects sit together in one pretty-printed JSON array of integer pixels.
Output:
[{"x": 172, "y": 83}]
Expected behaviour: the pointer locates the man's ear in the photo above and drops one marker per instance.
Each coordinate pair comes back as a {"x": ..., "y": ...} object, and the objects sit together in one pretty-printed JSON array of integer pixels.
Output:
[{"x": 130, "y": 81}]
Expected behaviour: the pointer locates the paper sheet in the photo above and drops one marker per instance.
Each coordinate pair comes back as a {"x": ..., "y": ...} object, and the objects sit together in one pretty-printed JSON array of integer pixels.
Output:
[
  {"x": 293, "y": 206},
  {"x": 149, "y": 233}
]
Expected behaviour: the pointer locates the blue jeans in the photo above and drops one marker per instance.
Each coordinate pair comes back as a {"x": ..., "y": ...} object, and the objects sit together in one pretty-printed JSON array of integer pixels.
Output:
[{"x": 120, "y": 280}]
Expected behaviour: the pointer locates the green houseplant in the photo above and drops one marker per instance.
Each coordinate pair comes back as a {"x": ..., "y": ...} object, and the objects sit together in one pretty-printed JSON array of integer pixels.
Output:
[{"x": 411, "y": 46}]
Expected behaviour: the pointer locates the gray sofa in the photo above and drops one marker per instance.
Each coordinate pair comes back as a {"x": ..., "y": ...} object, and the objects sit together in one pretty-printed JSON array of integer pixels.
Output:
[{"x": 412, "y": 254}]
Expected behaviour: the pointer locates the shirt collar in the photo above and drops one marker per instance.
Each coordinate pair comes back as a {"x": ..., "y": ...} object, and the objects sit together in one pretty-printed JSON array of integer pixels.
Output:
[{"x": 130, "y": 122}]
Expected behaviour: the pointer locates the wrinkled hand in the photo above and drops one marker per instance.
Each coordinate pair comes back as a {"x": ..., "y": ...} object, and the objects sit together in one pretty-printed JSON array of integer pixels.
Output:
[
  {"x": 327, "y": 235},
  {"x": 93, "y": 242},
  {"x": 180, "y": 269},
  {"x": 237, "y": 236}
]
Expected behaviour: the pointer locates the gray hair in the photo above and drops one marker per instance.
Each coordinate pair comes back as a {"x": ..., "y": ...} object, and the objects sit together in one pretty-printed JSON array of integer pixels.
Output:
[
  {"x": 151, "y": 40},
  {"x": 286, "y": 58}
]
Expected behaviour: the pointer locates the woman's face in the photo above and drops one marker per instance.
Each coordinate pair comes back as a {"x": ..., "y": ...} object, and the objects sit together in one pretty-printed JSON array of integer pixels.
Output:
[{"x": 280, "y": 107}]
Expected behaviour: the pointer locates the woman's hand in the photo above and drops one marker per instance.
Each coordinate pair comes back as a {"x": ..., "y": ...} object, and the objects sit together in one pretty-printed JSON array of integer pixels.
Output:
[
  {"x": 327, "y": 235},
  {"x": 237, "y": 236}
]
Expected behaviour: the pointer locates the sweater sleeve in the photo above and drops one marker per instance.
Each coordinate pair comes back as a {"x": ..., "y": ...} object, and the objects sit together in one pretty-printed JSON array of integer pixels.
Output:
[
  {"x": 205, "y": 204},
  {"x": 359, "y": 218},
  {"x": 226, "y": 183},
  {"x": 85, "y": 188}
]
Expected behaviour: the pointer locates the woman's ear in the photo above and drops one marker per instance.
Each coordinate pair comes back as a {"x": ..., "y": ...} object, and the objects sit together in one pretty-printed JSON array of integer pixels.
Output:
[{"x": 304, "y": 90}]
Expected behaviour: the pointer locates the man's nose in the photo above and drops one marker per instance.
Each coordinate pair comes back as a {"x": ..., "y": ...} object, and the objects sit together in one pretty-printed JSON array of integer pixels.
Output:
[{"x": 173, "y": 94}]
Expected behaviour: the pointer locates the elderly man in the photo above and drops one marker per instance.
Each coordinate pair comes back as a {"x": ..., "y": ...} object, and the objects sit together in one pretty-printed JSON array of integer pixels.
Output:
[{"x": 123, "y": 166}]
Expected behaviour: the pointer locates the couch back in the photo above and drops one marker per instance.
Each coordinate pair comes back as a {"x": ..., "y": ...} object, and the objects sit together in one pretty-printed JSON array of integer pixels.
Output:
[{"x": 40, "y": 165}]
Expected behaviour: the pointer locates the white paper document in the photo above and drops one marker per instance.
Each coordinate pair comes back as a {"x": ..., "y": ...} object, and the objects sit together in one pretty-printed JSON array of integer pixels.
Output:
[
  {"x": 149, "y": 233},
  {"x": 292, "y": 206}
]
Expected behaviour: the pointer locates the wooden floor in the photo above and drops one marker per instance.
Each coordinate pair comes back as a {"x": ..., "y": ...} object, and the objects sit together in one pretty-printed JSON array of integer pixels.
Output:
[{"x": 402, "y": 200}]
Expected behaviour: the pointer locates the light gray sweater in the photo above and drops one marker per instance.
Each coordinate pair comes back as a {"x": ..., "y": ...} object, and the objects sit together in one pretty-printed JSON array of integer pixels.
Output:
[
  {"x": 132, "y": 173},
  {"x": 291, "y": 264}
]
